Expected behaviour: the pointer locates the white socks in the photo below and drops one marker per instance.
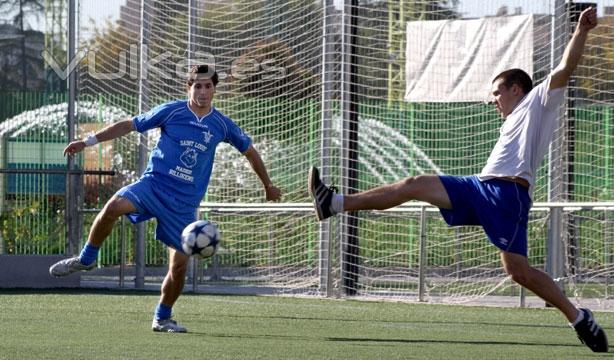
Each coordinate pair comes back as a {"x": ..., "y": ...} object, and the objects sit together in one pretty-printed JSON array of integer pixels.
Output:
[{"x": 336, "y": 203}]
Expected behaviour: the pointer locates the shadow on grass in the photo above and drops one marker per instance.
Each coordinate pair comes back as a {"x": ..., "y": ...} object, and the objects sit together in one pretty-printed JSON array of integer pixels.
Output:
[
  {"x": 79, "y": 291},
  {"x": 382, "y": 341},
  {"x": 415, "y": 323},
  {"x": 156, "y": 292}
]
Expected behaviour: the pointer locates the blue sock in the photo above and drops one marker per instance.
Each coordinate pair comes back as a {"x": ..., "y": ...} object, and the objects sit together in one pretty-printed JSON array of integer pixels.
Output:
[
  {"x": 88, "y": 255},
  {"x": 163, "y": 312}
]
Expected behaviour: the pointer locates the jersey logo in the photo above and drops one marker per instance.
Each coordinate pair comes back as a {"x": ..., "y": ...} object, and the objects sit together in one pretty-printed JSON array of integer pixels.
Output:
[
  {"x": 207, "y": 136},
  {"x": 188, "y": 158}
]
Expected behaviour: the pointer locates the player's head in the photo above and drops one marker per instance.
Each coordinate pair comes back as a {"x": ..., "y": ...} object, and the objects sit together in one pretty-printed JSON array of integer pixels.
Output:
[
  {"x": 508, "y": 88},
  {"x": 202, "y": 71},
  {"x": 202, "y": 80}
]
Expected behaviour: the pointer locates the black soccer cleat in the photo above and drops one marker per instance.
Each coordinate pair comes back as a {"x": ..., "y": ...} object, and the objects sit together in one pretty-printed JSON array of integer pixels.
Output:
[
  {"x": 590, "y": 333},
  {"x": 321, "y": 194}
]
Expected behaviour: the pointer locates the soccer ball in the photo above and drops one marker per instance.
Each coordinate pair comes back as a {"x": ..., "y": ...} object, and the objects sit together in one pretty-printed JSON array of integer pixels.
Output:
[{"x": 201, "y": 239}]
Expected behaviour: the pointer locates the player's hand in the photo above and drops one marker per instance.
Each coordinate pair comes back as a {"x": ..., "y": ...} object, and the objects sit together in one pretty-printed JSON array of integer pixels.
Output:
[
  {"x": 588, "y": 19},
  {"x": 74, "y": 147},
  {"x": 273, "y": 193}
]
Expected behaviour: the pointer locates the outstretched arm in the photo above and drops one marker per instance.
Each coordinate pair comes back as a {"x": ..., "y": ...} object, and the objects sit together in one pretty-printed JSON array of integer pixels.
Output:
[
  {"x": 111, "y": 132},
  {"x": 574, "y": 50},
  {"x": 272, "y": 192}
]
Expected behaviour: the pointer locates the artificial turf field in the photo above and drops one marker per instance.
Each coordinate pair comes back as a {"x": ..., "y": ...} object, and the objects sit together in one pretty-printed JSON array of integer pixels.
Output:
[{"x": 87, "y": 324}]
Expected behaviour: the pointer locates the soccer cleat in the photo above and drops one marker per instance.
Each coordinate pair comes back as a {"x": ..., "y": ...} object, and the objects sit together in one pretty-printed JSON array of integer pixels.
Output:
[
  {"x": 321, "y": 194},
  {"x": 167, "y": 325},
  {"x": 69, "y": 266},
  {"x": 590, "y": 333}
]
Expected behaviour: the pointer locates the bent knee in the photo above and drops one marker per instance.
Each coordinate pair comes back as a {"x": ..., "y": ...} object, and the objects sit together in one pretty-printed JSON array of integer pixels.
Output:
[
  {"x": 427, "y": 188},
  {"x": 116, "y": 207},
  {"x": 409, "y": 184},
  {"x": 411, "y": 180}
]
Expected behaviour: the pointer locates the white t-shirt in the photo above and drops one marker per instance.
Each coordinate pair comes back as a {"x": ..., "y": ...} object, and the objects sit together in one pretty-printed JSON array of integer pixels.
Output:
[{"x": 525, "y": 135}]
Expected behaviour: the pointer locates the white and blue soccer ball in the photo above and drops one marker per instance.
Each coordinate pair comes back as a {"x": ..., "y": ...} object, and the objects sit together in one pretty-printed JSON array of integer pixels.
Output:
[{"x": 201, "y": 239}]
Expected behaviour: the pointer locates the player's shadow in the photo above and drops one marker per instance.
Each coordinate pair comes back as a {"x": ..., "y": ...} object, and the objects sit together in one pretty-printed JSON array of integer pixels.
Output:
[
  {"x": 451, "y": 342},
  {"x": 400, "y": 322},
  {"x": 378, "y": 340}
]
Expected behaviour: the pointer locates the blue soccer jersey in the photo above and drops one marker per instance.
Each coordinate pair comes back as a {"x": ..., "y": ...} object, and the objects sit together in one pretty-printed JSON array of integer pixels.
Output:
[{"x": 182, "y": 160}]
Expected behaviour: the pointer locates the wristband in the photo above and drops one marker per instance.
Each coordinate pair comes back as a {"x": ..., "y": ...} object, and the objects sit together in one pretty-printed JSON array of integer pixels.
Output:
[{"x": 90, "y": 140}]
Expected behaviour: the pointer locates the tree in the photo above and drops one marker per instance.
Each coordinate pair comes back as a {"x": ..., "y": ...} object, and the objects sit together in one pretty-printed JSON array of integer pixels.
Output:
[
  {"x": 22, "y": 10},
  {"x": 596, "y": 71},
  {"x": 12, "y": 61},
  {"x": 110, "y": 53}
]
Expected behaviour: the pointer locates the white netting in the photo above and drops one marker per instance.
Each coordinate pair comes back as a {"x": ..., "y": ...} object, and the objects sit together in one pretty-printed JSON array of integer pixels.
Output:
[{"x": 286, "y": 68}]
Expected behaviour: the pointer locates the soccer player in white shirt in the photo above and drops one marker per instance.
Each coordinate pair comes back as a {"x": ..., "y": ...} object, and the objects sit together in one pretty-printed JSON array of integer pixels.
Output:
[{"x": 499, "y": 198}]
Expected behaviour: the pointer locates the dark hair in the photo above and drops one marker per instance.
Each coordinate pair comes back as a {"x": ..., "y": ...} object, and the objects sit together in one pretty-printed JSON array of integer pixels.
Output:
[
  {"x": 202, "y": 69},
  {"x": 516, "y": 76}
]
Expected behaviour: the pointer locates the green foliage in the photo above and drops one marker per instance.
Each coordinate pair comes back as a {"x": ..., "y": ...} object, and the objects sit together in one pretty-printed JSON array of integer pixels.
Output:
[
  {"x": 595, "y": 75},
  {"x": 33, "y": 226},
  {"x": 109, "y": 43}
]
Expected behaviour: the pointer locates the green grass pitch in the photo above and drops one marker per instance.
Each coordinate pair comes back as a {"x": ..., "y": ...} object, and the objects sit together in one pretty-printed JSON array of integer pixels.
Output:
[{"x": 85, "y": 324}]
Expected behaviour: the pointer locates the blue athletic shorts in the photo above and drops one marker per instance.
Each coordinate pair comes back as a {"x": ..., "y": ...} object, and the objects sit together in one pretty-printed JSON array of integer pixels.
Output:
[
  {"x": 151, "y": 201},
  {"x": 500, "y": 207}
]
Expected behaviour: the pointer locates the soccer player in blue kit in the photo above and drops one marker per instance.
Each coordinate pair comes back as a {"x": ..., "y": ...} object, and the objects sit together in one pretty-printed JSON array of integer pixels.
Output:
[
  {"x": 174, "y": 182},
  {"x": 499, "y": 197}
]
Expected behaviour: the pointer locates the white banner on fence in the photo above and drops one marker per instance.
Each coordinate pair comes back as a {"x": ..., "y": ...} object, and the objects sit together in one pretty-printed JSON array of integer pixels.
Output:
[{"x": 455, "y": 60}]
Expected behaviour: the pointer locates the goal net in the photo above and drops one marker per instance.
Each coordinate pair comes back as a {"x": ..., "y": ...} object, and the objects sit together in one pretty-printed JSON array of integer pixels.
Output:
[{"x": 371, "y": 92}]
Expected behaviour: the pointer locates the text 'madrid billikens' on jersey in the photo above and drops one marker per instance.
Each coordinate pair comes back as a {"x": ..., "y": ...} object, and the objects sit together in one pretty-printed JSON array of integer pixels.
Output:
[{"x": 182, "y": 160}]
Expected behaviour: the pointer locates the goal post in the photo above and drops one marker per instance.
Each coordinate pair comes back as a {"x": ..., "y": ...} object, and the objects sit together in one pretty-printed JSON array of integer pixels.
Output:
[{"x": 432, "y": 262}]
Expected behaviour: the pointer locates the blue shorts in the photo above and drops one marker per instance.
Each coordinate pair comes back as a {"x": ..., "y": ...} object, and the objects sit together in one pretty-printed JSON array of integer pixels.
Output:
[
  {"x": 151, "y": 201},
  {"x": 500, "y": 207}
]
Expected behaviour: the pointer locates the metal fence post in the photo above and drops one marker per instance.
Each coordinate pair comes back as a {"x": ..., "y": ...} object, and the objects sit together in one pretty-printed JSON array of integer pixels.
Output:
[
  {"x": 349, "y": 240},
  {"x": 139, "y": 279},
  {"x": 554, "y": 245},
  {"x": 71, "y": 195},
  {"x": 195, "y": 264},
  {"x": 328, "y": 87},
  {"x": 422, "y": 261},
  {"x": 607, "y": 239},
  {"x": 122, "y": 256},
  {"x": 556, "y": 164}
]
